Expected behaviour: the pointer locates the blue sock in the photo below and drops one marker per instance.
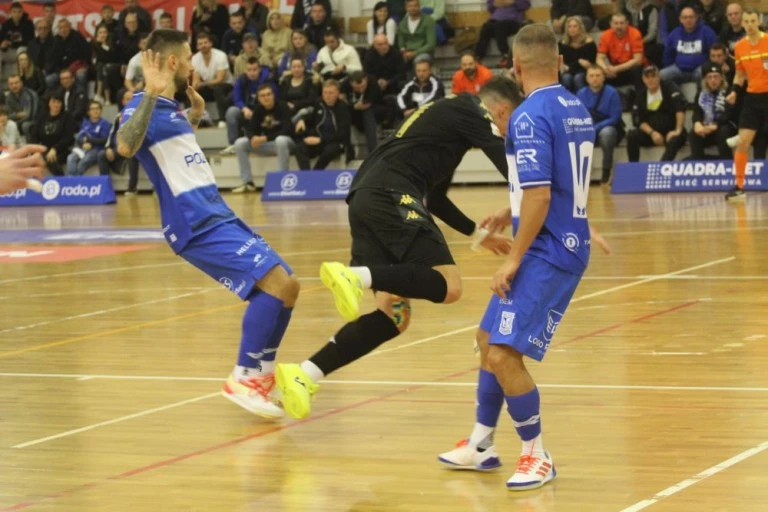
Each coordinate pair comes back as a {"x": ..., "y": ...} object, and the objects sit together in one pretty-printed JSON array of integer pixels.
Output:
[
  {"x": 490, "y": 398},
  {"x": 270, "y": 351},
  {"x": 259, "y": 322},
  {"x": 524, "y": 410}
]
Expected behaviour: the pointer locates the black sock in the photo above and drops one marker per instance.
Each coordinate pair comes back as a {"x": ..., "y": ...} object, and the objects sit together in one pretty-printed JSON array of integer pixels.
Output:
[
  {"x": 355, "y": 340},
  {"x": 410, "y": 280}
]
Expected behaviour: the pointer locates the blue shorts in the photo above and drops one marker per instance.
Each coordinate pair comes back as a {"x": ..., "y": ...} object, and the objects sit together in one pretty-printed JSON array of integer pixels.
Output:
[
  {"x": 527, "y": 318},
  {"x": 233, "y": 255}
]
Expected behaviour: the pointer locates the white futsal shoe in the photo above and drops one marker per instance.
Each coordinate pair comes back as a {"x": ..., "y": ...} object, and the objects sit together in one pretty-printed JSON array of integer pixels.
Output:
[
  {"x": 532, "y": 472},
  {"x": 255, "y": 394},
  {"x": 467, "y": 457}
]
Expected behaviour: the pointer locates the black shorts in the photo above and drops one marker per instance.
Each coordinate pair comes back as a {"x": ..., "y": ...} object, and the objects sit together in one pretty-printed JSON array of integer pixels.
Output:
[
  {"x": 390, "y": 227},
  {"x": 754, "y": 111}
]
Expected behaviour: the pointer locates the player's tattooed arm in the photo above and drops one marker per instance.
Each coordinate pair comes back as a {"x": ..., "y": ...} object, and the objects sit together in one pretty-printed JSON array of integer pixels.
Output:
[{"x": 132, "y": 133}]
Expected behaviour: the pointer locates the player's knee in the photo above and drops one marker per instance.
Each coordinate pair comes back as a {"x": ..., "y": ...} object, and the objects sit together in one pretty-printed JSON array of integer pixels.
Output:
[
  {"x": 504, "y": 359},
  {"x": 291, "y": 290},
  {"x": 453, "y": 292}
]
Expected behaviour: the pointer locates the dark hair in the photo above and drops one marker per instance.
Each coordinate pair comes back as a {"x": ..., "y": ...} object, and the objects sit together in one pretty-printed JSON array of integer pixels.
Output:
[
  {"x": 718, "y": 46},
  {"x": 379, "y": 5},
  {"x": 264, "y": 86},
  {"x": 330, "y": 31},
  {"x": 16, "y": 5},
  {"x": 53, "y": 95},
  {"x": 252, "y": 60},
  {"x": 689, "y": 7},
  {"x": 502, "y": 88},
  {"x": 164, "y": 40},
  {"x": 107, "y": 6},
  {"x": 3, "y": 112},
  {"x": 750, "y": 10},
  {"x": 237, "y": 14},
  {"x": 166, "y": 16},
  {"x": 357, "y": 77},
  {"x": 204, "y": 34},
  {"x": 143, "y": 35},
  {"x": 14, "y": 75}
]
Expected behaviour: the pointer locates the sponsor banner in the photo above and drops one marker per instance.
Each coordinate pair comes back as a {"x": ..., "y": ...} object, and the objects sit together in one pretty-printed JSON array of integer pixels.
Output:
[
  {"x": 64, "y": 190},
  {"x": 306, "y": 185},
  {"x": 685, "y": 176},
  {"x": 55, "y": 254},
  {"x": 86, "y": 14}
]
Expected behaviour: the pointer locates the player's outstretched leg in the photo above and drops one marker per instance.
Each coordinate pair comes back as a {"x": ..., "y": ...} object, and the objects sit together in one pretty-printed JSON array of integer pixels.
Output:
[
  {"x": 299, "y": 383},
  {"x": 251, "y": 385},
  {"x": 535, "y": 466},
  {"x": 477, "y": 452},
  {"x": 440, "y": 284}
]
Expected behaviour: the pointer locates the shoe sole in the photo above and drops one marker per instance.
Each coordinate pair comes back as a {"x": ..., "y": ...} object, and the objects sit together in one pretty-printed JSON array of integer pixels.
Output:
[
  {"x": 261, "y": 414},
  {"x": 296, "y": 402},
  {"x": 344, "y": 296},
  {"x": 736, "y": 199},
  {"x": 534, "y": 485},
  {"x": 450, "y": 465}
]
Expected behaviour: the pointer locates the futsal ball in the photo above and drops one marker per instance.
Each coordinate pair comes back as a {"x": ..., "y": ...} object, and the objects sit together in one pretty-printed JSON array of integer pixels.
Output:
[{"x": 401, "y": 311}]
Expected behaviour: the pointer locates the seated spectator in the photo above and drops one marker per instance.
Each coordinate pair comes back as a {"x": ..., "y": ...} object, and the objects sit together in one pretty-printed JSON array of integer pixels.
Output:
[
  {"x": 712, "y": 13},
  {"x": 267, "y": 134},
  {"x": 659, "y": 117},
  {"x": 732, "y": 31},
  {"x": 435, "y": 9},
  {"x": 385, "y": 64},
  {"x": 232, "y": 41},
  {"x": 423, "y": 89},
  {"x": 166, "y": 21},
  {"x": 381, "y": 23},
  {"x": 250, "y": 49},
  {"x": 507, "y": 16},
  {"x": 22, "y": 105},
  {"x": 300, "y": 48},
  {"x": 471, "y": 77},
  {"x": 366, "y": 106},
  {"x": 620, "y": 53},
  {"x": 416, "y": 34},
  {"x": 318, "y": 23},
  {"x": 142, "y": 16},
  {"x": 669, "y": 16},
  {"x": 55, "y": 130},
  {"x": 714, "y": 119},
  {"x": 275, "y": 41},
  {"x": 302, "y": 10},
  {"x": 718, "y": 54},
  {"x": 298, "y": 89},
  {"x": 89, "y": 141},
  {"x": 17, "y": 29},
  {"x": 336, "y": 59},
  {"x": 687, "y": 49},
  {"x": 604, "y": 106},
  {"x": 579, "y": 53},
  {"x": 9, "y": 133},
  {"x": 129, "y": 38},
  {"x": 244, "y": 98},
  {"x": 211, "y": 77},
  {"x": 70, "y": 51},
  {"x": 208, "y": 16},
  {"x": 74, "y": 98},
  {"x": 110, "y": 160},
  {"x": 644, "y": 16},
  {"x": 134, "y": 76},
  {"x": 323, "y": 132},
  {"x": 40, "y": 47},
  {"x": 109, "y": 22},
  {"x": 255, "y": 14},
  {"x": 107, "y": 63},
  {"x": 31, "y": 75},
  {"x": 561, "y": 10}
]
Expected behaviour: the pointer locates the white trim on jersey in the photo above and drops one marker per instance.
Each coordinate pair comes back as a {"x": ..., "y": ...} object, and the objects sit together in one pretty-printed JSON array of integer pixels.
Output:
[
  {"x": 553, "y": 86},
  {"x": 529, "y": 184},
  {"x": 182, "y": 163}
]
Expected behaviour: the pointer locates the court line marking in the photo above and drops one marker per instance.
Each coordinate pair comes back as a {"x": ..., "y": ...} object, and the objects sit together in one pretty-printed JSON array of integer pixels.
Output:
[
  {"x": 574, "y": 301},
  {"x": 226, "y": 444},
  {"x": 684, "y": 484},
  {"x": 128, "y": 328},
  {"x": 116, "y": 420},
  {"x": 99, "y": 312},
  {"x": 76, "y": 376},
  {"x": 72, "y": 293}
]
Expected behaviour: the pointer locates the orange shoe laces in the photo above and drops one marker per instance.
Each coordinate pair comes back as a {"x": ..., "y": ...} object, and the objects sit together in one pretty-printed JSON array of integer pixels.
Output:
[
  {"x": 526, "y": 463},
  {"x": 261, "y": 385}
]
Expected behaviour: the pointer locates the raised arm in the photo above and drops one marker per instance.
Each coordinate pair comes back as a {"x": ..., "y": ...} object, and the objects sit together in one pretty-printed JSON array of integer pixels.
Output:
[{"x": 131, "y": 133}]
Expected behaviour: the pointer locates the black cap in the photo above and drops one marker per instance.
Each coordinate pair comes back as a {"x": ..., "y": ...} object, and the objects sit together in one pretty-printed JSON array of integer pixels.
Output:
[
  {"x": 711, "y": 67},
  {"x": 647, "y": 70},
  {"x": 249, "y": 35}
]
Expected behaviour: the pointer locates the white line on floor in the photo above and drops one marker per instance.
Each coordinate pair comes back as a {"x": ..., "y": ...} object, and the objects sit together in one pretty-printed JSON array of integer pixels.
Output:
[
  {"x": 115, "y": 420},
  {"x": 72, "y": 293},
  {"x": 717, "y": 468}
]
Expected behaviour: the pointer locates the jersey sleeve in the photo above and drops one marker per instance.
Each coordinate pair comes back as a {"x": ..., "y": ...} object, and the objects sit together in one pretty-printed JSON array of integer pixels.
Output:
[
  {"x": 738, "y": 58},
  {"x": 531, "y": 146}
]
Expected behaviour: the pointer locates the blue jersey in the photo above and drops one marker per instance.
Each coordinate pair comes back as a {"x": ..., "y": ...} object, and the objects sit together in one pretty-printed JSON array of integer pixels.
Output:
[
  {"x": 549, "y": 143},
  {"x": 190, "y": 203}
]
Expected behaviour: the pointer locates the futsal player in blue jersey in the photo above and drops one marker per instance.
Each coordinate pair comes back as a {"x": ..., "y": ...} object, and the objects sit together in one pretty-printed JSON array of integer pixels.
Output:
[
  {"x": 549, "y": 153},
  {"x": 197, "y": 223}
]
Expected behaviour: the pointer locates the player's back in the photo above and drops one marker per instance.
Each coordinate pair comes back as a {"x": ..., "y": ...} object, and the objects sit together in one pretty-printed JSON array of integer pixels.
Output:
[
  {"x": 190, "y": 203},
  {"x": 553, "y": 139},
  {"x": 429, "y": 146}
]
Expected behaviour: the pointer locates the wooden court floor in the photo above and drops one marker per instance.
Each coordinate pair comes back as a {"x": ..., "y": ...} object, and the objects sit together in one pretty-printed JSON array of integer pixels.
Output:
[{"x": 655, "y": 390}]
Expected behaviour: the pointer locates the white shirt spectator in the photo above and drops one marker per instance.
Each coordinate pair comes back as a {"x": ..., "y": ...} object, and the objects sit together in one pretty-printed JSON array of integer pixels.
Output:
[
  {"x": 389, "y": 29},
  {"x": 217, "y": 62},
  {"x": 133, "y": 71},
  {"x": 10, "y": 135},
  {"x": 343, "y": 54}
]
